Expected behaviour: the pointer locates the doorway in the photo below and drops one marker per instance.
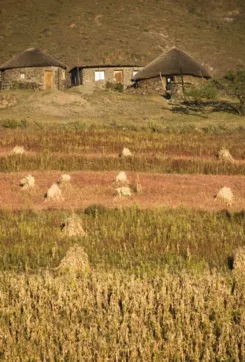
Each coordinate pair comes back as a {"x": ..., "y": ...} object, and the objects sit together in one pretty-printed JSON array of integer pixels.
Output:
[
  {"x": 118, "y": 76},
  {"x": 48, "y": 79}
]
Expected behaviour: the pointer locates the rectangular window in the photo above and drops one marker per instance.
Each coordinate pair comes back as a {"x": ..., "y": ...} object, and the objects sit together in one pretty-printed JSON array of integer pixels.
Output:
[
  {"x": 22, "y": 75},
  {"x": 99, "y": 75}
]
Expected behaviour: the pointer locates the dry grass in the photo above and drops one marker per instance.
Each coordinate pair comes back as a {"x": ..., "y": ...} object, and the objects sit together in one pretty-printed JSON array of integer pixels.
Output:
[
  {"x": 194, "y": 191},
  {"x": 239, "y": 260},
  {"x": 115, "y": 317},
  {"x": 123, "y": 191},
  {"x": 72, "y": 226},
  {"x": 54, "y": 193},
  {"x": 75, "y": 260},
  {"x": 18, "y": 150},
  {"x": 27, "y": 182},
  {"x": 226, "y": 195},
  {"x": 224, "y": 155},
  {"x": 125, "y": 153}
]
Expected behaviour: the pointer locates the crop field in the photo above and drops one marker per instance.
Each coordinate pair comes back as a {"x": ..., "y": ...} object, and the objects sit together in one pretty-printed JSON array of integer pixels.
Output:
[{"x": 164, "y": 276}]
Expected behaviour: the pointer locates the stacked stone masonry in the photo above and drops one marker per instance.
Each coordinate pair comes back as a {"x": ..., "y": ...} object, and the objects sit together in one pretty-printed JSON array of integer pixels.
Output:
[
  {"x": 87, "y": 75},
  {"x": 32, "y": 78}
]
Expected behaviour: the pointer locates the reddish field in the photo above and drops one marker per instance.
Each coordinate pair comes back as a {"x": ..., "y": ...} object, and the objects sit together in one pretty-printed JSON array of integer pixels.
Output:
[{"x": 86, "y": 188}]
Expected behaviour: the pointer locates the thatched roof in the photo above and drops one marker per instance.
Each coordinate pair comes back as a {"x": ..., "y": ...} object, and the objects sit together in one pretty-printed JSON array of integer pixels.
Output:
[
  {"x": 99, "y": 66},
  {"x": 32, "y": 58},
  {"x": 174, "y": 62}
]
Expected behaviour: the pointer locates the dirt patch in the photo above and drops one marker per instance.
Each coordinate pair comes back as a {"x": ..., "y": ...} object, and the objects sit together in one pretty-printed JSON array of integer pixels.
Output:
[
  {"x": 84, "y": 102},
  {"x": 192, "y": 191},
  {"x": 7, "y": 100}
]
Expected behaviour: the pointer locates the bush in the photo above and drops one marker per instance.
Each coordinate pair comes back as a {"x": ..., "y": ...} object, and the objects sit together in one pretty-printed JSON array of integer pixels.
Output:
[
  {"x": 118, "y": 87},
  {"x": 13, "y": 123},
  {"x": 234, "y": 85},
  {"x": 95, "y": 209},
  {"x": 207, "y": 91}
]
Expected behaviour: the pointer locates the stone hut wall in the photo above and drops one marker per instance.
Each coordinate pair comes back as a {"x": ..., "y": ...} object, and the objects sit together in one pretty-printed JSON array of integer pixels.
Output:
[
  {"x": 87, "y": 75},
  {"x": 31, "y": 78},
  {"x": 156, "y": 86}
]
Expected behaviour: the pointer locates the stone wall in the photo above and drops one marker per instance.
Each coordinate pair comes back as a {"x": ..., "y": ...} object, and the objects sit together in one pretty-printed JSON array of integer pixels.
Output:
[
  {"x": 156, "y": 86},
  {"x": 88, "y": 75},
  {"x": 31, "y": 78}
]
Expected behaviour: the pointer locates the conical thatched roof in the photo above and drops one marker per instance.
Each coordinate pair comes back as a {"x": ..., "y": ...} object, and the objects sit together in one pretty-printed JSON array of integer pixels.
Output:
[
  {"x": 174, "y": 62},
  {"x": 32, "y": 58}
]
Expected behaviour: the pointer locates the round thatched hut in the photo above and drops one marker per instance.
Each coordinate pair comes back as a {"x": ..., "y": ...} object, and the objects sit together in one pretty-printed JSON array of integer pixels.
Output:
[
  {"x": 32, "y": 69},
  {"x": 168, "y": 70}
]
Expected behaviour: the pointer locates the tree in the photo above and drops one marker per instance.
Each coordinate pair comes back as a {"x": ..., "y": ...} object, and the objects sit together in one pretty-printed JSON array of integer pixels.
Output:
[{"x": 234, "y": 85}]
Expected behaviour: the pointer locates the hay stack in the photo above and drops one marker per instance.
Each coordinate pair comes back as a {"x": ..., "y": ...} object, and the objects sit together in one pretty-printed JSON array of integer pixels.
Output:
[
  {"x": 125, "y": 153},
  {"x": 27, "y": 182},
  {"x": 64, "y": 179},
  {"x": 123, "y": 191},
  {"x": 17, "y": 150},
  {"x": 122, "y": 179},
  {"x": 53, "y": 193},
  {"x": 138, "y": 187},
  {"x": 225, "y": 156},
  {"x": 75, "y": 260},
  {"x": 122, "y": 185},
  {"x": 72, "y": 226},
  {"x": 226, "y": 195},
  {"x": 239, "y": 259}
]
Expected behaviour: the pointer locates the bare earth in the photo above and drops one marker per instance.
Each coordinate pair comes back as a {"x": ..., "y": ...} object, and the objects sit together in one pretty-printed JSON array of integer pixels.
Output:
[{"x": 86, "y": 188}]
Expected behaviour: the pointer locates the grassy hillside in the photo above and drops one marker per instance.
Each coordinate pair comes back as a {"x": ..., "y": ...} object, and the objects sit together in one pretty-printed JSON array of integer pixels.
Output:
[{"x": 91, "y": 31}]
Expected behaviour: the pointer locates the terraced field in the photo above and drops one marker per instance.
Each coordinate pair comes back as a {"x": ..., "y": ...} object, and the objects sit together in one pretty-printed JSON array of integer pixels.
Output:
[{"x": 165, "y": 276}]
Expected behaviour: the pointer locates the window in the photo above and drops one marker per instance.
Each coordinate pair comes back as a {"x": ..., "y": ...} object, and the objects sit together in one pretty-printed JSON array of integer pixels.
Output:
[
  {"x": 22, "y": 75},
  {"x": 135, "y": 72},
  {"x": 99, "y": 75}
]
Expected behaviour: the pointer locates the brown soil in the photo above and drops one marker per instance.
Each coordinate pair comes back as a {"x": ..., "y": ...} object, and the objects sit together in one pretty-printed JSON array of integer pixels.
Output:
[
  {"x": 74, "y": 104},
  {"x": 192, "y": 191}
]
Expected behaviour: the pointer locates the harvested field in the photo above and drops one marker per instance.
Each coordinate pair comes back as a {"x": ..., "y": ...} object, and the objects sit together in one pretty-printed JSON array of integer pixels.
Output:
[{"x": 194, "y": 191}]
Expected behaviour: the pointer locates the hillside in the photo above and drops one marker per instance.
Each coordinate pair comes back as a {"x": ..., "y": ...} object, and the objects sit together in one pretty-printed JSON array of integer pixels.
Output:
[{"x": 93, "y": 31}]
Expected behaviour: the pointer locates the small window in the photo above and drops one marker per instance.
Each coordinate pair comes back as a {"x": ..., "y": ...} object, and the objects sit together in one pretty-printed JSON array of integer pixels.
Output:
[
  {"x": 135, "y": 72},
  {"x": 22, "y": 75},
  {"x": 99, "y": 75}
]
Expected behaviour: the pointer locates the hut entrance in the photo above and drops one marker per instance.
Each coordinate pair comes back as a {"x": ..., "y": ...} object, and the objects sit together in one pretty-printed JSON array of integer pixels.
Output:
[
  {"x": 48, "y": 79},
  {"x": 118, "y": 76}
]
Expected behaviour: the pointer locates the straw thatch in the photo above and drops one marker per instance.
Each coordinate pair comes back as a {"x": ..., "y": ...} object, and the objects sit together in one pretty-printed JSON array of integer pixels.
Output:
[
  {"x": 27, "y": 182},
  {"x": 75, "y": 260},
  {"x": 174, "y": 62},
  {"x": 17, "y": 150},
  {"x": 123, "y": 191},
  {"x": 125, "y": 153},
  {"x": 32, "y": 58},
  {"x": 226, "y": 195},
  {"x": 64, "y": 178},
  {"x": 225, "y": 156},
  {"x": 53, "y": 193},
  {"x": 138, "y": 187},
  {"x": 122, "y": 179},
  {"x": 72, "y": 226},
  {"x": 239, "y": 259}
]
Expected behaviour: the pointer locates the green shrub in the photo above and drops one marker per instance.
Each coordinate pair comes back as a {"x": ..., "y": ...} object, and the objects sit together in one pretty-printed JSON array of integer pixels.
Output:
[
  {"x": 13, "y": 123},
  {"x": 118, "y": 87},
  {"x": 95, "y": 209},
  {"x": 207, "y": 91},
  {"x": 234, "y": 85}
]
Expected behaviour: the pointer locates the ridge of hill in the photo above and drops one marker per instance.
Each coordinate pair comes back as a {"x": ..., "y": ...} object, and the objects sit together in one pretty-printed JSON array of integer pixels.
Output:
[{"x": 107, "y": 32}]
